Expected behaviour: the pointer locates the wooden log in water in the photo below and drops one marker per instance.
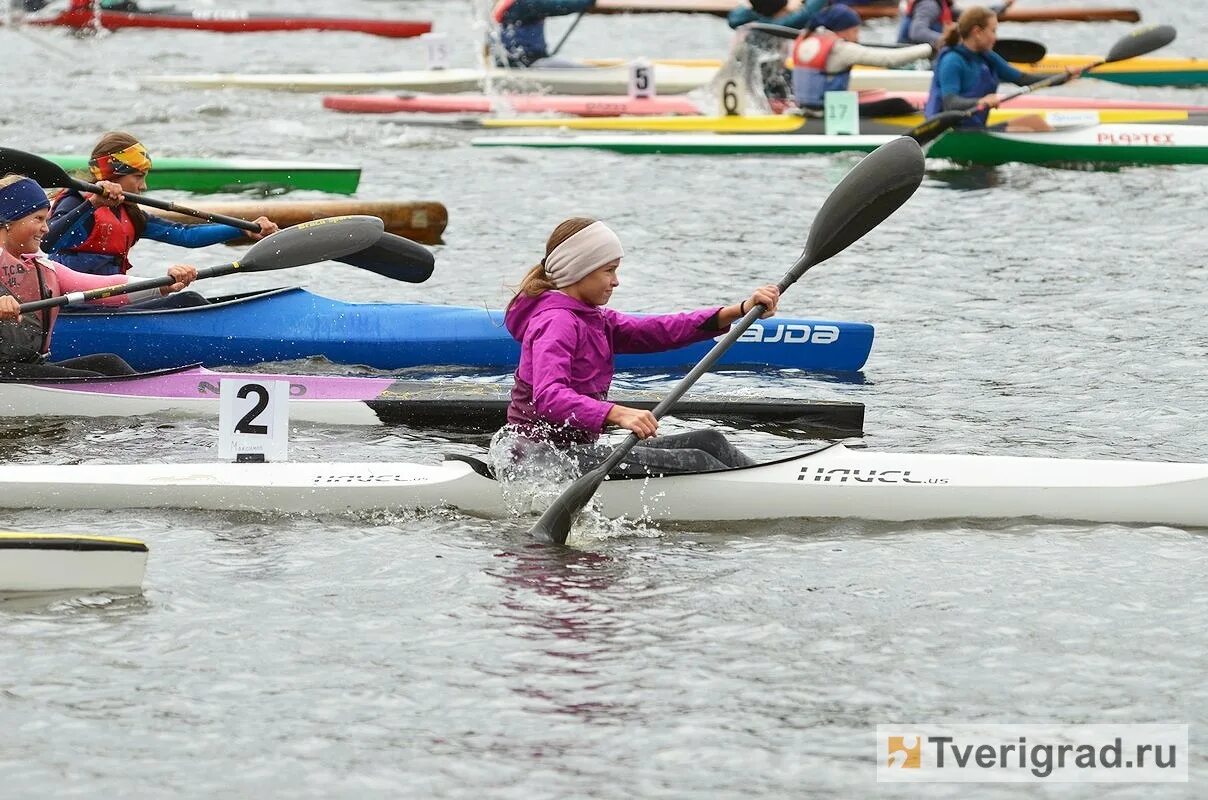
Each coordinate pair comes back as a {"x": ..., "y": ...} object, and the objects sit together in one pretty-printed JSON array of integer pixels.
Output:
[{"x": 420, "y": 221}]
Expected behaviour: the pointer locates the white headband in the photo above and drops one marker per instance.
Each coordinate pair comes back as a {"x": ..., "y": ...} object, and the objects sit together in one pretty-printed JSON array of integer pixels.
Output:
[{"x": 582, "y": 254}]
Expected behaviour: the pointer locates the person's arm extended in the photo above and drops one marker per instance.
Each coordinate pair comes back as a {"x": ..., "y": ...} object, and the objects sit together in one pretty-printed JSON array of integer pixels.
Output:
[
  {"x": 926, "y": 14},
  {"x": 160, "y": 230},
  {"x": 846, "y": 55},
  {"x": 69, "y": 224},
  {"x": 741, "y": 16},
  {"x": 534, "y": 10},
  {"x": 801, "y": 18},
  {"x": 655, "y": 333}
]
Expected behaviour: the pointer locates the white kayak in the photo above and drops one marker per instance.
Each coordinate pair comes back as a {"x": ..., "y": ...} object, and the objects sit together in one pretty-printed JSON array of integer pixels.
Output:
[
  {"x": 670, "y": 78},
  {"x": 52, "y": 562},
  {"x": 834, "y": 482}
]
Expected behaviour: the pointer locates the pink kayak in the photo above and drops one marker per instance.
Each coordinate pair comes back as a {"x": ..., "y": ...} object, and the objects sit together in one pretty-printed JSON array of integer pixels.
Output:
[{"x": 579, "y": 106}]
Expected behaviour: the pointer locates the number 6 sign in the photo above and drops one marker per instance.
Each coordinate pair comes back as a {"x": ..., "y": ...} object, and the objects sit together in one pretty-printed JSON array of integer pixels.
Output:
[{"x": 253, "y": 420}]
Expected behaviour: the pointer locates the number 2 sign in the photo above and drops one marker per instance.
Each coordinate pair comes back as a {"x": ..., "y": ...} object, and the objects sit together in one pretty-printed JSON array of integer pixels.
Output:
[{"x": 253, "y": 420}]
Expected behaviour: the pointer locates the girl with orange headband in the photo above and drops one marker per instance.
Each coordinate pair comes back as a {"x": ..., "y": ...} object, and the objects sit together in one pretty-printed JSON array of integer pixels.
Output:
[
  {"x": 94, "y": 233},
  {"x": 26, "y": 275}
]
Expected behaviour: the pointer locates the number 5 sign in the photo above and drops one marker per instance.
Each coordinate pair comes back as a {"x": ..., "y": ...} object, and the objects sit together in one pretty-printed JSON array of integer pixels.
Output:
[{"x": 253, "y": 420}]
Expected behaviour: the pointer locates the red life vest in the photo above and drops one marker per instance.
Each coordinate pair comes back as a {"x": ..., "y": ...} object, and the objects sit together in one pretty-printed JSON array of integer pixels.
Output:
[
  {"x": 813, "y": 57},
  {"x": 946, "y": 18},
  {"x": 501, "y": 8},
  {"x": 27, "y": 280},
  {"x": 113, "y": 234}
]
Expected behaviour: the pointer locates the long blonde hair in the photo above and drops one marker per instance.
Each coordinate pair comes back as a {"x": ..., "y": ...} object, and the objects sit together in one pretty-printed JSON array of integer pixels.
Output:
[
  {"x": 535, "y": 282},
  {"x": 972, "y": 17}
]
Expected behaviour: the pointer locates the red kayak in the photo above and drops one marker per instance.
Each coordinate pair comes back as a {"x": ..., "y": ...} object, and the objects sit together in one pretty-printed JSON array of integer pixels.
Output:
[{"x": 228, "y": 21}]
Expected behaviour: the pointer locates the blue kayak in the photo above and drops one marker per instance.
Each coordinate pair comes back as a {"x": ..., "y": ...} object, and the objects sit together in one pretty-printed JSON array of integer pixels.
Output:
[{"x": 286, "y": 324}]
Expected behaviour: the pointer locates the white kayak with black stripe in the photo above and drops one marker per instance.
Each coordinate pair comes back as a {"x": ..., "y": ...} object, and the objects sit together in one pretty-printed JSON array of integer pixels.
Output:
[
  {"x": 833, "y": 482},
  {"x": 53, "y": 562}
]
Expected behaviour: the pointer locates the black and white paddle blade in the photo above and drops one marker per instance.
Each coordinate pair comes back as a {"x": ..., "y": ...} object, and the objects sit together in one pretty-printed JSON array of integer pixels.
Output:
[
  {"x": 395, "y": 257},
  {"x": 312, "y": 242},
  {"x": 1021, "y": 51},
  {"x": 45, "y": 172},
  {"x": 1141, "y": 41},
  {"x": 874, "y": 189}
]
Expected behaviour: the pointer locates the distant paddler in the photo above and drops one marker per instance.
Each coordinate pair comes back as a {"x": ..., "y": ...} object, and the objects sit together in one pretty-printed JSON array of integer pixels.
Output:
[
  {"x": 928, "y": 21},
  {"x": 823, "y": 57},
  {"x": 94, "y": 233},
  {"x": 26, "y": 274},
  {"x": 967, "y": 72},
  {"x": 775, "y": 12},
  {"x": 521, "y": 31}
]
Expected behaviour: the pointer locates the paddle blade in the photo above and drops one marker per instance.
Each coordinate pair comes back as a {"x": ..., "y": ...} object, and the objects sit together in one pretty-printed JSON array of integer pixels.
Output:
[
  {"x": 555, "y": 523},
  {"x": 940, "y": 124},
  {"x": 778, "y": 31},
  {"x": 1141, "y": 41},
  {"x": 865, "y": 198},
  {"x": 45, "y": 172},
  {"x": 1021, "y": 51},
  {"x": 395, "y": 257},
  {"x": 312, "y": 242}
]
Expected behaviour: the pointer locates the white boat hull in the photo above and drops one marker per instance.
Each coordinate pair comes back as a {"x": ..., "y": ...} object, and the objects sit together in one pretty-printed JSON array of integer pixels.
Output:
[
  {"x": 669, "y": 79},
  {"x": 32, "y": 562},
  {"x": 835, "y": 482}
]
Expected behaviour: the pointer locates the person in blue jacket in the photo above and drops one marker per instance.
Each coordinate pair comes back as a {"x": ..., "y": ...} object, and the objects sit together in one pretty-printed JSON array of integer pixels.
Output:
[
  {"x": 967, "y": 73},
  {"x": 773, "y": 11},
  {"x": 94, "y": 233},
  {"x": 521, "y": 27}
]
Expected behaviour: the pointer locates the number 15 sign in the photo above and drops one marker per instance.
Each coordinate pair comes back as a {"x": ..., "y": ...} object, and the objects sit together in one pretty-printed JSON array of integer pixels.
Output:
[{"x": 253, "y": 420}]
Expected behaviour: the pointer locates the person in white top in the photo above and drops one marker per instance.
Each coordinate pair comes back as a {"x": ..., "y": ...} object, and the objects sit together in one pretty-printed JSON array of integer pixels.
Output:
[{"x": 823, "y": 57}]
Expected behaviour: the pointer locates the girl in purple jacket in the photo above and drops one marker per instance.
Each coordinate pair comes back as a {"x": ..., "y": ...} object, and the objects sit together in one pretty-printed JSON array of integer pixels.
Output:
[{"x": 567, "y": 343}]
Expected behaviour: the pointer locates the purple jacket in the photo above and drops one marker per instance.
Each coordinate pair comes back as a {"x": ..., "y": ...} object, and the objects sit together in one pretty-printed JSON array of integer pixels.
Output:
[{"x": 566, "y": 358}]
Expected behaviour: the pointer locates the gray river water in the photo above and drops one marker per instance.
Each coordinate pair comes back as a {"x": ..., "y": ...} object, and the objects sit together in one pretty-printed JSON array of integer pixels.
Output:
[{"x": 1019, "y": 310}]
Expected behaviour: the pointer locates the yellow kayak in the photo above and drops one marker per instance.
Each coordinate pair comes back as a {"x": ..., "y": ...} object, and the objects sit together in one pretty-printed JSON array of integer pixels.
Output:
[
  {"x": 792, "y": 123},
  {"x": 1141, "y": 71}
]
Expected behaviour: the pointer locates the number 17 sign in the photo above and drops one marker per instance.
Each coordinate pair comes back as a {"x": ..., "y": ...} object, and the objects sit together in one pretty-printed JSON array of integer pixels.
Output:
[{"x": 253, "y": 420}]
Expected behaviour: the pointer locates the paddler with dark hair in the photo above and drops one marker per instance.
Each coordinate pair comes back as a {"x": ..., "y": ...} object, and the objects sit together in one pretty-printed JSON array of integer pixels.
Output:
[
  {"x": 822, "y": 58},
  {"x": 521, "y": 29},
  {"x": 95, "y": 232},
  {"x": 27, "y": 275},
  {"x": 928, "y": 21},
  {"x": 967, "y": 72},
  {"x": 568, "y": 341},
  {"x": 775, "y": 12}
]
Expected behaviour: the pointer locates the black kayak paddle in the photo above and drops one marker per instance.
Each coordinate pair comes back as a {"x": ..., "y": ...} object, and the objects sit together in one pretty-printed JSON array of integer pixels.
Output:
[{"x": 873, "y": 190}]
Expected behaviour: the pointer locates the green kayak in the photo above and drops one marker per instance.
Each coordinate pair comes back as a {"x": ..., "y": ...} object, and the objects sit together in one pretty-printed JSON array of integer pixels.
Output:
[
  {"x": 1108, "y": 145},
  {"x": 237, "y": 174}
]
